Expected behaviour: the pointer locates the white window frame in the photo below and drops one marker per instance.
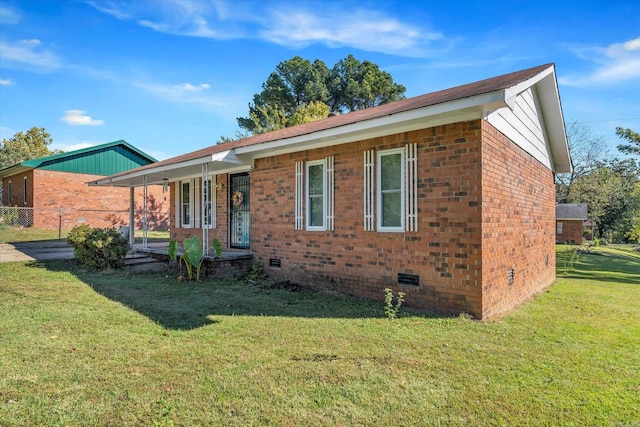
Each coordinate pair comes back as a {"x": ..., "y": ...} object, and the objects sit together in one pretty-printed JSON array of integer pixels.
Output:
[
  {"x": 183, "y": 224},
  {"x": 379, "y": 213},
  {"x": 322, "y": 227},
  {"x": 9, "y": 193},
  {"x": 24, "y": 190},
  {"x": 559, "y": 227}
]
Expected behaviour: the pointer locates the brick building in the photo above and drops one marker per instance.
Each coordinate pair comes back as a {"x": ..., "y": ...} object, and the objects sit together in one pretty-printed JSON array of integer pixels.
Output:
[
  {"x": 448, "y": 197},
  {"x": 570, "y": 220},
  {"x": 55, "y": 189}
]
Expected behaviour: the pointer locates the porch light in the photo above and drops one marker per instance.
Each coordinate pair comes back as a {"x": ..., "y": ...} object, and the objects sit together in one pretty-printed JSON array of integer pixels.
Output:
[{"x": 165, "y": 185}]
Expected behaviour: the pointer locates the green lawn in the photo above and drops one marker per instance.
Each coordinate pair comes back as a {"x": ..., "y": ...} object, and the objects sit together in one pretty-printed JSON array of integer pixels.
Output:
[{"x": 80, "y": 348}]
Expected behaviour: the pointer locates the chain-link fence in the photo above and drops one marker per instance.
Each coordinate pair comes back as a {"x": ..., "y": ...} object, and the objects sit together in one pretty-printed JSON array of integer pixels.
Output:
[{"x": 29, "y": 224}]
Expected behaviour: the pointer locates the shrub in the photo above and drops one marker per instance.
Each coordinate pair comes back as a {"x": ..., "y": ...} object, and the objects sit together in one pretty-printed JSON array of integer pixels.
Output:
[{"x": 98, "y": 248}]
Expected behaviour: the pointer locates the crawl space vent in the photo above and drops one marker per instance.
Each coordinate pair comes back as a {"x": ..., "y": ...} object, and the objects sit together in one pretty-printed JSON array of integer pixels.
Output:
[
  {"x": 511, "y": 275},
  {"x": 408, "y": 279},
  {"x": 275, "y": 263}
]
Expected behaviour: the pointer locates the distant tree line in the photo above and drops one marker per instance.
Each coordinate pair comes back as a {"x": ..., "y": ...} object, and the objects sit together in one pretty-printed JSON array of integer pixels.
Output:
[{"x": 609, "y": 185}]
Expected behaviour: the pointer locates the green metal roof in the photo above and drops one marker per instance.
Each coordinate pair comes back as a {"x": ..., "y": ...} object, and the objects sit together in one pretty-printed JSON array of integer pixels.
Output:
[{"x": 106, "y": 159}]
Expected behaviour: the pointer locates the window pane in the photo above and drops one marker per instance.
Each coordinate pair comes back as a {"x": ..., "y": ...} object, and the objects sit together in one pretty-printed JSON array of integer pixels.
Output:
[
  {"x": 391, "y": 167},
  {"x": 392, "y": 209},
  {"x": 185, "y": 192},
  {"x": 316, "y": 180},
  {"x": 316, "y": 212},
  {"x": 185, "y": 214}
]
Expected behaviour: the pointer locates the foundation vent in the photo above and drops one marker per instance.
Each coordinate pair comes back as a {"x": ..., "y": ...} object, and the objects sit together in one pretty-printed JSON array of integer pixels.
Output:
[
  {"x": 408, "y": 279},
  {"x": 275, "y": 263},
  {"x": 511, "y": 276}
]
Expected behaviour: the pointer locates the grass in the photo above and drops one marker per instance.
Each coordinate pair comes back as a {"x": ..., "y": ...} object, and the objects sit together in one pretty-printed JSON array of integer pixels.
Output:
[
  {"x": 80, "y": 348},
  {"x": 13, "y": 235}
]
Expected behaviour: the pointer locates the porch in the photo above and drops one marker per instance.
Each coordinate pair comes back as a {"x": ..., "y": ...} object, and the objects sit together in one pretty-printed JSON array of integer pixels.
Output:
[{"x": 231, "y": 264}]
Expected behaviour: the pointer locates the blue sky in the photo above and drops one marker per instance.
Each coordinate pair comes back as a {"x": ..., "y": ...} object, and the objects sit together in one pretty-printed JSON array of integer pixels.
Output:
[{"x": 171, "y": 76}]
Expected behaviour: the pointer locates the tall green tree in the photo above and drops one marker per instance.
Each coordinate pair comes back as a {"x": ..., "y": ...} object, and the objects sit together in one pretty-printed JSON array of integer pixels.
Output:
[
  {"x": 299, "y": 91},
  {"x": 633, "y": 139},
  {"x": 24, "y": 146},
  {"x": 355, "y": 85}
]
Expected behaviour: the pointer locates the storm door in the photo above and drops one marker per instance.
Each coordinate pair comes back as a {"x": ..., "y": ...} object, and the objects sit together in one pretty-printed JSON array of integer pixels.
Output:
[{"x": 239, "y": 211}]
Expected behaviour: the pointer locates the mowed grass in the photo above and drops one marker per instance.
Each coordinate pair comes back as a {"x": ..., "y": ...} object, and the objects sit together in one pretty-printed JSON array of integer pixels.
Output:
[{"x": 121, "y": 349}]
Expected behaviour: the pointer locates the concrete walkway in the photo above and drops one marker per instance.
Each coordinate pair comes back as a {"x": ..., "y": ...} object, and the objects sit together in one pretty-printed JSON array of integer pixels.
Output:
[
  {"x": 35, "y": 251},
  {"x": 46, "y": 250}
]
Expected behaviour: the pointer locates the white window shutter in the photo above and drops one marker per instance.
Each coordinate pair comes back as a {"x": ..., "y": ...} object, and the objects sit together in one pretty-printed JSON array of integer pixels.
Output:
[
  {"x": 195, "y": 184},
  {"x": 411, "y": 199},
  {"x": 178, "y": 203},
  {"x": 212, "y": 197},
  {"x": 299, "y": 196},
  {"x": 369, "y": 163},
  {"x": 329, "y": 194}
]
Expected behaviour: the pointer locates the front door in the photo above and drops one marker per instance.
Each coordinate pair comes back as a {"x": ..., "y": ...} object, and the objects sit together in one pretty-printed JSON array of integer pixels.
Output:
[{"x": 239, "y": 211}]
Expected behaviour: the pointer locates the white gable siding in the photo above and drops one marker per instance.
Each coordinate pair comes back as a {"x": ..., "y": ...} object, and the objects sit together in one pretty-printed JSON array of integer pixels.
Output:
[{"x": 524, "y": 126}]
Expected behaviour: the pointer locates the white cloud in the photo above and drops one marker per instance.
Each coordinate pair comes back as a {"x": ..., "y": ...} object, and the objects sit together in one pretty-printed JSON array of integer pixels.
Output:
[
  {"x": 8, "y": 16},
  {"x": 616, "y": 63},
  {"x": 5, "y": 82},
  {"x": 364, "y": 30},
  {"x": 27, "y": 52},
  {"x": 110, "y": 8},
  {"x": 286, "y": 23},
  {"x": 78, "y": 118},
  {"x": 188, "y": 87},
  {"x": 183, "y": 93}
]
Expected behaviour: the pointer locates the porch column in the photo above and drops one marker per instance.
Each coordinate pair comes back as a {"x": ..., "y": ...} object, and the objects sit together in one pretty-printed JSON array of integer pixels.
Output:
[
  {"x": 206, "y": 212},
  {"x": 144, "y": 214},
  {"x": 132, "y": 239}
]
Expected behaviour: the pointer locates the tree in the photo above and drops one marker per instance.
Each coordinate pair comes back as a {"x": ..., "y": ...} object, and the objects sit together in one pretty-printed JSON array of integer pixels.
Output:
[
  {"x": 300, "y": 91},
  {"x": 610, "y": 191},
  {"x": 632, "y": 137},
  {"x": 588, "y": 153},
  {"x": 355, "y": 85},
  {"x": 24, "y": 146}
]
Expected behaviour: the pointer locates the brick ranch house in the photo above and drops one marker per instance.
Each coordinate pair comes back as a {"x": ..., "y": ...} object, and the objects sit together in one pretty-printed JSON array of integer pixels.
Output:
[
  {"x": 448, "y": 197},
  {"x": 57, "y": 184},
  {"x": 570, "y": 222}
]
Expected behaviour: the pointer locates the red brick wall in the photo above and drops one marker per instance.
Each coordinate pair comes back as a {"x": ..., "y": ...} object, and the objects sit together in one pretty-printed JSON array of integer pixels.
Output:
[
  {"x": 571, "y": 232},
  {"x": 17, "y": 190},
  {"x": 518, "y": 218},
  {"x": 445, "y": 252},
  {"x": 485, "y": 207},
  {"x": 96, "y": 206}
]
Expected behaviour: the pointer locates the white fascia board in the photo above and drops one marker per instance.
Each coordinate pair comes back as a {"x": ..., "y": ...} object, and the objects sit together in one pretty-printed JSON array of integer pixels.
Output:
[
  {"x": 13, "y": 170},
  {"x": 549, "y": 98},
  {"x": 513, "y": 91},
  {"x": 470, "y": 108},
  {"x": 174, "y": 171}
]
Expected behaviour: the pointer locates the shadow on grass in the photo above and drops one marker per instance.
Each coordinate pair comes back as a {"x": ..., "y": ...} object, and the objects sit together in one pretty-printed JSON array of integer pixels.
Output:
[
  {"x": 190, "y": 305},
  {"x": 601, "y": 265}
]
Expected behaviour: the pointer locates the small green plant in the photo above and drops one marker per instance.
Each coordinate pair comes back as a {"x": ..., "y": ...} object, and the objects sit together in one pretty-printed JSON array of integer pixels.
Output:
[
  {"x": 192, "y": 256},
  {"x": 256, "y": 273},
  {"x": 9, "y": 217},
  {"x": 165, "y": 414},
  {"x": 570, "y": 259},
  {"x": 391, "y": 309},
  {"x": 217, "y": 247},
  {"x": 98, "y": 248}
]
